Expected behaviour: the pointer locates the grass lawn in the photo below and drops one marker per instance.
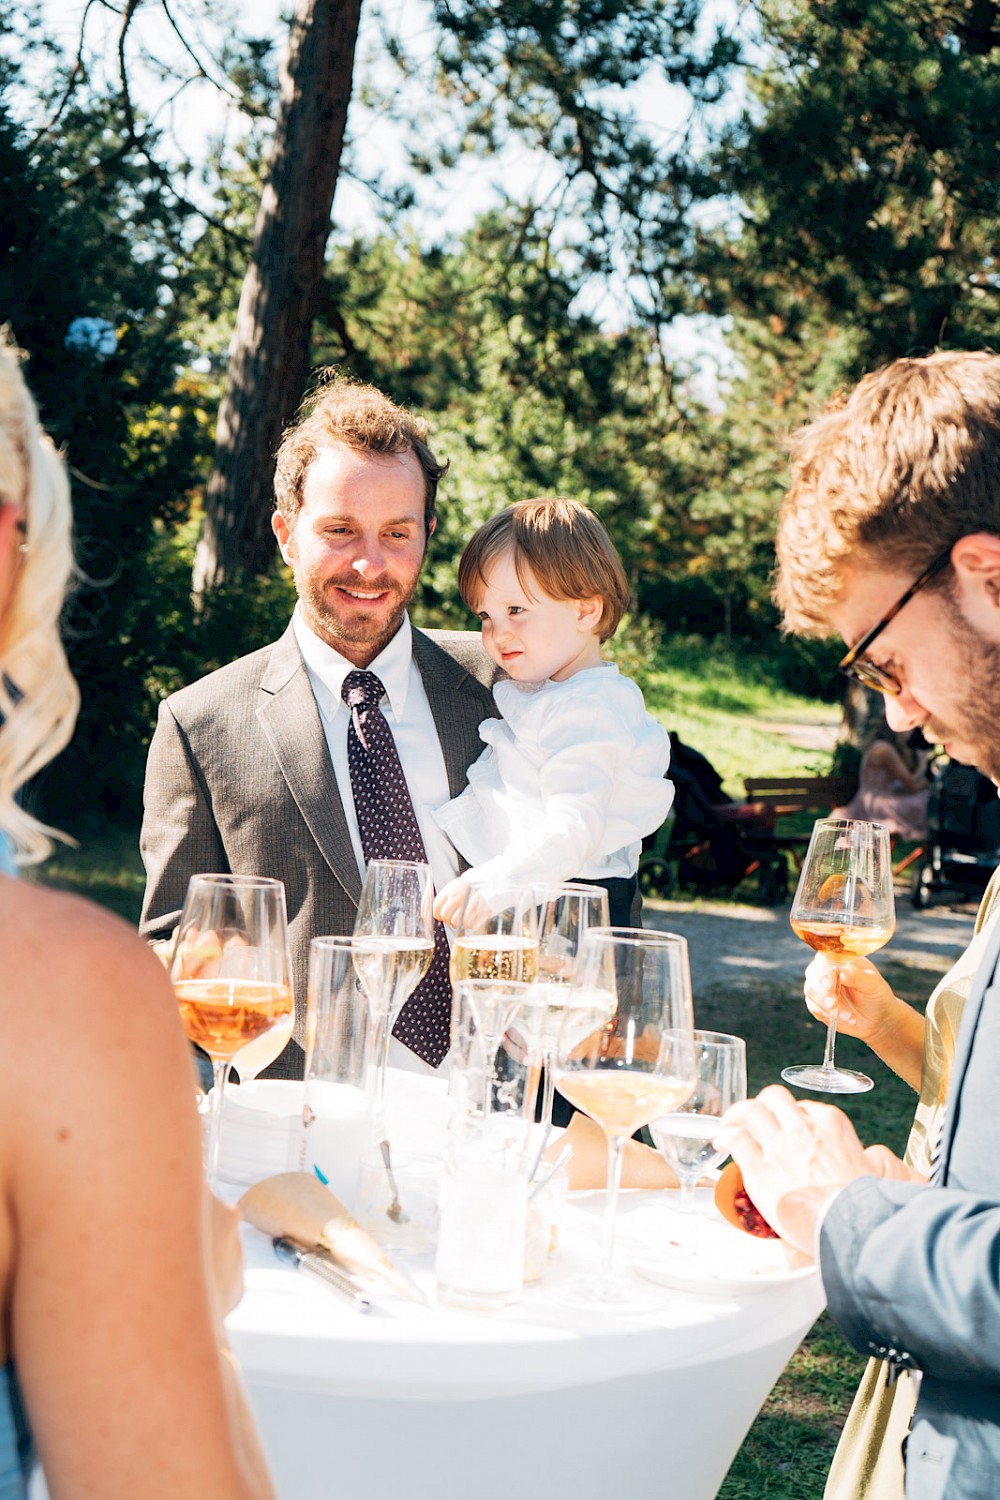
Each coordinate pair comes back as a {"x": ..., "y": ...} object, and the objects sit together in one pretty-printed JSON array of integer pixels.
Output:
[{"x": 725, "y": 710}]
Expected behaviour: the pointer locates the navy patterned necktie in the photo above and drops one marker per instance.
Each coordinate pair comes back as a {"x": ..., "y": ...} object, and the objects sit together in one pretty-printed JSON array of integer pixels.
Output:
[{"x": 389, "y": 830}]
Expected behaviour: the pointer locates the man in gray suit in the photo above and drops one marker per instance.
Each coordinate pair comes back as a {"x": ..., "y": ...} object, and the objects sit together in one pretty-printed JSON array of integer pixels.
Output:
[
  {"x": 890, "y": 536},
  {"x": 248, "y": 768}
]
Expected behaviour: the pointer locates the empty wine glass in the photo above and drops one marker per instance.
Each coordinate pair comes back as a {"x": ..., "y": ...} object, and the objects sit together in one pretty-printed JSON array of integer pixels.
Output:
[
  {"x": 637, "y": 1063},
  {"x": 492, "y": 1005},
  {"x": 393, "y": 945},
  {"x": 564, "y": 913},
  {"x": 230, "y": 973},
  {"x": 685, "y": 1137},
  {"x": 843, "y": 907}
]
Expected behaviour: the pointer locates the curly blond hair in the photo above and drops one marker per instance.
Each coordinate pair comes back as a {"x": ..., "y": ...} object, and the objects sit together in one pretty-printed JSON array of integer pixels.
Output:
[
  {"x": 39, "y": 698},
  {"x": 889, "y": 477}
]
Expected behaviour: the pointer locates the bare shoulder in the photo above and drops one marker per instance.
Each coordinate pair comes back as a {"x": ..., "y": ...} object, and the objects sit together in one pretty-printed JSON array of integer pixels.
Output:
[
  {"x": 83, "y": 992},
  {"x": 53, "y": 943},
  {"x": 38, "y": 908}
]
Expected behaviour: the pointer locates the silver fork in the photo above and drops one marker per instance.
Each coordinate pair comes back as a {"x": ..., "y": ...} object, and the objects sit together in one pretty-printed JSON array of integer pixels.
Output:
[{"x": 396, "y": 1212}]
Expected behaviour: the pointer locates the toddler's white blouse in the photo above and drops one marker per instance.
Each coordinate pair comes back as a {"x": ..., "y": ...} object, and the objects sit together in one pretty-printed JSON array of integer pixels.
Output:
[{"x": 570, "y": 780}]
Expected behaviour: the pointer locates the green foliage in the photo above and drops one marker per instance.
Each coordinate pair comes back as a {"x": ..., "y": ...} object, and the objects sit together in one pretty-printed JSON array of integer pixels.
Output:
[
  {"x": 853, "y": 216},
  {"x": 88, "y": 233},
  {"x": 866, "y": 167}
]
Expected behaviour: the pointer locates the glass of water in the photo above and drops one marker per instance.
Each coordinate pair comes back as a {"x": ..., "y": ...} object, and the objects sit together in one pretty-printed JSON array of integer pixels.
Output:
[{"x": 685, "y": 1136}]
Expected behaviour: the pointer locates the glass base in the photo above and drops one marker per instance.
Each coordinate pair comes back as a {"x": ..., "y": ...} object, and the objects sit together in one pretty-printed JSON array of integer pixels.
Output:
[
  {"x": 628, "y": 1296},
  {"x": 827, "y": 1080}
]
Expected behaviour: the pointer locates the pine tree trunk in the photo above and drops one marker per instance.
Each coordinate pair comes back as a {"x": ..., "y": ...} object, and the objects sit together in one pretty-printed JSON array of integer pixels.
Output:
[{"x": 269, "y": 357}]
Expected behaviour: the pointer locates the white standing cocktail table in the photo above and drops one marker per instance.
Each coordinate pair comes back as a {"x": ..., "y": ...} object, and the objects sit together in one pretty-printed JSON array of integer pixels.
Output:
[{"x": 535, "y": 1401}]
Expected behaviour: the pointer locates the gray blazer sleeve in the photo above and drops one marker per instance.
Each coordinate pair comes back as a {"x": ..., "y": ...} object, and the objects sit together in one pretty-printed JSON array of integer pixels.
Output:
[
  {"x": 179, "y": 835},
  {"x": 912, "y": 1274}
]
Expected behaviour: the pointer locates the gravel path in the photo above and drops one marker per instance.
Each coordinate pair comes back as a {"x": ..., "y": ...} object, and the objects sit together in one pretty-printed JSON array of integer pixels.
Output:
[{"x": 726, "y": 940}]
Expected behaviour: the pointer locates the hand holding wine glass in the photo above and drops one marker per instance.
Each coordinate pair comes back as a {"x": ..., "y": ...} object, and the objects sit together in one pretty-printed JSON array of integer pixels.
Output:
[
  {"x": 844, "y": 908},
  {"x": 638, "y": 1062},
  {"x": 230, "y": 973},
  {"x": 393, "y": 945}
]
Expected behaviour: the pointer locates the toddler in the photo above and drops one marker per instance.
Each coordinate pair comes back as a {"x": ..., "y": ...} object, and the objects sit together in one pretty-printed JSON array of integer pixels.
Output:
[{"x": 572, "y": 776}]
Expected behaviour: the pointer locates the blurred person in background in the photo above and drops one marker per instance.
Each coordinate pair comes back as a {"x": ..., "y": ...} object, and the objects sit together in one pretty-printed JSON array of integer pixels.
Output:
[{"x": 893, "y": 787}]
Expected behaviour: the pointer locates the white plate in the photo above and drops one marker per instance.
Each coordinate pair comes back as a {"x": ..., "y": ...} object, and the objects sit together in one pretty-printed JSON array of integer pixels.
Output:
[
  {"x": 700, "y": 1252},
  {"x": 686, "y": 1276}
]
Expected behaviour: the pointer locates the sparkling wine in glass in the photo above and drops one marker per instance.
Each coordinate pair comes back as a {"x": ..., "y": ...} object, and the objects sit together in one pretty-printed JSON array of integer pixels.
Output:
[
  {"x": 638, "y": 1064},
  {"x": 843, "y": 907},
  {"x": 393, "y": 945},
  {"x": 685, "y": 1137},
  {"x": 230, "y": 973},
  {"x": 496, "y": 937}
]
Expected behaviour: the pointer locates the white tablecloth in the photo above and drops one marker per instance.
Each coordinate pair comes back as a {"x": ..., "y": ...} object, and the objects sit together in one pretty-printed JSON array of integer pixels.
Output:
[
  {"x": 538, "y": 1400},
  {"x": 424, "y": 1403}
]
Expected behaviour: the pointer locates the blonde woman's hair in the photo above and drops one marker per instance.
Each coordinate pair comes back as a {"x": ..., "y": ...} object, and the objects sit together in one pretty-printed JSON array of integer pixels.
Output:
[
  {"x": 890, "y": 477},
  {"x": 564, "y": 547},
  {"x": 39, "y": 698}
]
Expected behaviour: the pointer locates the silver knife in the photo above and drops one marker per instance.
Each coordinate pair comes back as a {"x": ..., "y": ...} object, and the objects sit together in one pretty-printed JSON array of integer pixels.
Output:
[{"x": 321, "y": 1265}]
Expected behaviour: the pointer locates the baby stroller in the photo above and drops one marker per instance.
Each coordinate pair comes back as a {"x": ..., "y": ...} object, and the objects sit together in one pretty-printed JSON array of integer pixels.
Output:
[
  {"x": 709, "y": 842},
  {"x": 963, "y": 836}
]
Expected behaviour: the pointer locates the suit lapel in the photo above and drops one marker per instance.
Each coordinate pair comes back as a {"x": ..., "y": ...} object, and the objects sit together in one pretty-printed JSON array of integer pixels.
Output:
[
  {"x": 457, "y": 712},
  {"x": 290, "y": 720},
  {"x": 985, "y": 981}
]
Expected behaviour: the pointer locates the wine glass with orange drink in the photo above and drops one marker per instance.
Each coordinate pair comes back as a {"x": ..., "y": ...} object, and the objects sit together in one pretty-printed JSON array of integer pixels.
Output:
[
  {"x": 230, "y": 973},
  {"x": 843, "y": 907},
  {"x": 637, "y": 1062}
]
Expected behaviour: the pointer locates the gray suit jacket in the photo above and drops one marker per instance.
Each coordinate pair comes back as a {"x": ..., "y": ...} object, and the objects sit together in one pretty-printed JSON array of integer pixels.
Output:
[
  {"x": 912, "y": 1273},
  {"x": 239, "y": 778}
]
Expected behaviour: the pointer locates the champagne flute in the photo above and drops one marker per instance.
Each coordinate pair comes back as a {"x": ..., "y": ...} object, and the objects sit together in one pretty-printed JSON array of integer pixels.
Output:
[
  {"x": 638, "y": 1064},
  {"x": 393, "y": 945},
  {"x": 565, "y": 913},
  {"x": 496, "y": 936},
  {"x": 685, "y": 1137},
  {"x": 843, "y": 907},
  {"x": 230, "y": 972}
]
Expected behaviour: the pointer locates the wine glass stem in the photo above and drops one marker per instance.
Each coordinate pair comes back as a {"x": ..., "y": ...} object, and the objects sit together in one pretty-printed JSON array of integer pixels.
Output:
[
  {"x": 220, "y": 1077},
  {"x": 490, "y": 1048},
  {"x": 831, "y": 1026},
  {"x": 616, "y": 1151},
  {"x": 686, "y": 1199},
  {"x": 380, "y": 1057},
  {"x": 548, "y": 1090}
]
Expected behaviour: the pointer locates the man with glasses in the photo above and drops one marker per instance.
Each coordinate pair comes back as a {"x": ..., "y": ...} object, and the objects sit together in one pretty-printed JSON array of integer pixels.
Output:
[{"x": 890, "y": 537}]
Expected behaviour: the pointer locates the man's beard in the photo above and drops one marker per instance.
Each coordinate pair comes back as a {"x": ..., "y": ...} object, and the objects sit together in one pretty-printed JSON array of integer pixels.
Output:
[
  {"x": 975, "y": 719},
  {"x": 356, "y": 627}
]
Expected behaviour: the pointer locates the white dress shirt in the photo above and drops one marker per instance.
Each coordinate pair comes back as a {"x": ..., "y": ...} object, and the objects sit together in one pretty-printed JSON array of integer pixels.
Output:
[{"x": 408, "y": 713}]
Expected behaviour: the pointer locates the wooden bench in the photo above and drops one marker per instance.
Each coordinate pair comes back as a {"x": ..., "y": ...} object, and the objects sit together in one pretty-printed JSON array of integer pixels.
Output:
[
  {"x": 786, "y": 795},
  {"x": 794, "y": 794}
]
